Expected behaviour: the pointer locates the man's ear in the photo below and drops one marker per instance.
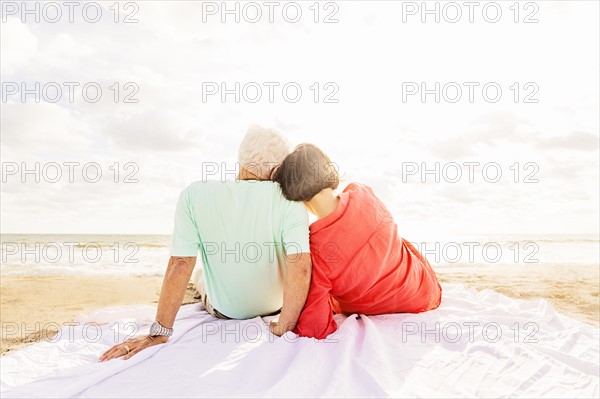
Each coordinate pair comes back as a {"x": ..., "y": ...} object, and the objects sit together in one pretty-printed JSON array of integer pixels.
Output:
[{"x": 274, "y": 172}]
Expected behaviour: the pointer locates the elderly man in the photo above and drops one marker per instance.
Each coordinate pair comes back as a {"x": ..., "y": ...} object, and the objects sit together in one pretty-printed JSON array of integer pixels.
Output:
[{"x": 253, "y": 242}]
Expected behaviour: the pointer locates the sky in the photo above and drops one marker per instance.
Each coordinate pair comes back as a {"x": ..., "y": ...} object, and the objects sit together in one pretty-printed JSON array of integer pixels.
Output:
[{"x": 369, "y": 63}]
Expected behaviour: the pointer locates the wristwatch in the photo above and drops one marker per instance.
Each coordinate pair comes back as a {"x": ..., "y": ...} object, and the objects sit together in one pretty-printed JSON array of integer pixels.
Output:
[{"x": 158, "y": 329}]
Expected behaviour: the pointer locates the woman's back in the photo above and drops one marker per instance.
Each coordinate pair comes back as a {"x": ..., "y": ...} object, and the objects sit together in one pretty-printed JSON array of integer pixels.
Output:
[{"x": 364, "y": 265}]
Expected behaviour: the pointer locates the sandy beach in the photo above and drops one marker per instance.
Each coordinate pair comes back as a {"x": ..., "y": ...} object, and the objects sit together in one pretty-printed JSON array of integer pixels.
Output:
[
  {"x": 34, "y": 304},
  {"x": 572, "y": 290}
]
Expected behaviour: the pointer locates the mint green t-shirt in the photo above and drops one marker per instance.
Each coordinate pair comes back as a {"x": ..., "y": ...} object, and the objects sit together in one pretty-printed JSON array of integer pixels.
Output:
[{"x": 242, "y": 229}]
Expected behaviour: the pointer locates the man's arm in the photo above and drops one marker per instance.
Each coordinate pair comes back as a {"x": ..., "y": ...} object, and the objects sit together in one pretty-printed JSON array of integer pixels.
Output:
[
  {"x": 297, "y": 283},
  {"x": 173, "y": 289}
]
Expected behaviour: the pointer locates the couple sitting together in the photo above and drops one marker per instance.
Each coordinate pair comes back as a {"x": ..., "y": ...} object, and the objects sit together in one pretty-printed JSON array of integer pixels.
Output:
[{"x": 260, "y": 256}]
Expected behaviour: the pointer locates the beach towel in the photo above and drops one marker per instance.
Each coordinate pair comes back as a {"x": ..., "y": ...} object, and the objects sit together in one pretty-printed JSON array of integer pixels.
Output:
[{"x": 476, "y": 344}]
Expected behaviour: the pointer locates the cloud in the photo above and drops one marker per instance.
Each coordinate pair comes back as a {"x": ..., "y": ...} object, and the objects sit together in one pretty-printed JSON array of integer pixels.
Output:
[
  {"x": 578, "y": 141},
  {"x": 155, "y": 130},
  {"x": 48, "y": 127},
  {"x": 16, "y": 54},
  {"x": 487, "y": 131}
]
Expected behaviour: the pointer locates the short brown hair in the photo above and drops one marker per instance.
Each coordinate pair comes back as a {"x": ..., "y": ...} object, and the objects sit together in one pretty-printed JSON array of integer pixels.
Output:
[{"x": 305, "y": 172}]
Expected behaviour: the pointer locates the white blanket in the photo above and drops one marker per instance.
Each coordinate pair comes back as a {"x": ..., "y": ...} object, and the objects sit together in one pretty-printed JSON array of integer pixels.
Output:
[{"x": 498, "y": 354}]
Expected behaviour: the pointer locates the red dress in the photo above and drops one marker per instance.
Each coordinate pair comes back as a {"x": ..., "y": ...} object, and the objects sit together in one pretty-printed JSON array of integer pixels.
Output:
[{"x": 361, "y": 265}]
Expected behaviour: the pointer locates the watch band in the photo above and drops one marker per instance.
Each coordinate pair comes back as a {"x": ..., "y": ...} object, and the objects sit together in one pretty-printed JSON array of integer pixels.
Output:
[{"x": 158, "y": 329}]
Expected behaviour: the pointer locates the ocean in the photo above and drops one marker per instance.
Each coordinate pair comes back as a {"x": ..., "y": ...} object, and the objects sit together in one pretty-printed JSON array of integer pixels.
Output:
[{"x": 147, "y": 255}]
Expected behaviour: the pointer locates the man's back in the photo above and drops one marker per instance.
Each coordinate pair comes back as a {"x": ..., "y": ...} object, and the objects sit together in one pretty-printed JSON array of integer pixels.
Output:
[{"x": 242, "y": 230}]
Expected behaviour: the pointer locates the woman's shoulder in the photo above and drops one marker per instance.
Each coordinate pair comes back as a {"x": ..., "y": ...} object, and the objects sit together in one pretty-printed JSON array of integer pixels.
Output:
[
  {"x": 364, "y": 197},
  {"x": 360, "y": 189}
]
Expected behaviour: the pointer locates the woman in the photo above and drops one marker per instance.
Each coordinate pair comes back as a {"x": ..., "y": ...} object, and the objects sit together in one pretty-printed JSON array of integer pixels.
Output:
[{"x": 360, "y": 263}]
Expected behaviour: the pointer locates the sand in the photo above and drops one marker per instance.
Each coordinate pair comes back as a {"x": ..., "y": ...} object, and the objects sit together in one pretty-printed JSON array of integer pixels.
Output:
[
  {"x": 572, "y": 290},
  {"x": 34, "y": 305}
]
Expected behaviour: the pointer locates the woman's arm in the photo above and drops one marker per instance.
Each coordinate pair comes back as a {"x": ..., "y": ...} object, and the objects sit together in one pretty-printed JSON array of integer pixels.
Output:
[{"x": 316, "y": 320}]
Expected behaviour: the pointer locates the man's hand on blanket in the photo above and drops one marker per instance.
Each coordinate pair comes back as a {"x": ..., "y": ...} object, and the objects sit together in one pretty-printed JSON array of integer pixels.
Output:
[
  {"x": 132, "y": 346},
  {"x": 279, "y": 329}
]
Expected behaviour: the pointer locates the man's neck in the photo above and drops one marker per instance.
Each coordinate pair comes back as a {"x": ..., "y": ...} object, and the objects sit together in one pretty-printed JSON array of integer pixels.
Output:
[
  {"x": 324, "y": 203},
  {"x": 246, "y": 175}
]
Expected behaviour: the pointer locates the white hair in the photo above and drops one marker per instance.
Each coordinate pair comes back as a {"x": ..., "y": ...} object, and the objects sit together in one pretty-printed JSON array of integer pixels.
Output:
[{"x": 261, "y": 150}]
